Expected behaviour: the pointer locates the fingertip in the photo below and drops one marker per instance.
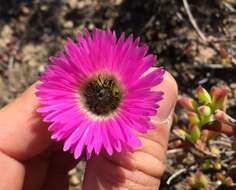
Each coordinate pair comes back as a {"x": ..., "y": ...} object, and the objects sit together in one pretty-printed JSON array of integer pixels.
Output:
[{"x": 167, "y": 104}]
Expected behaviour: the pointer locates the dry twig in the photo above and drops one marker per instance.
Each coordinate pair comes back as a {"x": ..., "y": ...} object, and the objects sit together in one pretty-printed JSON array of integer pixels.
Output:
[
  {"x": 175, "y": 150},
  {"x": 193, "y": 21},
  {"x": 176, "y": 174}
]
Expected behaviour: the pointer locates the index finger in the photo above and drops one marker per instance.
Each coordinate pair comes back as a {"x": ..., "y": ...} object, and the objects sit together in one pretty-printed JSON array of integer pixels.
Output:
[{"x": 22, "y": 132}]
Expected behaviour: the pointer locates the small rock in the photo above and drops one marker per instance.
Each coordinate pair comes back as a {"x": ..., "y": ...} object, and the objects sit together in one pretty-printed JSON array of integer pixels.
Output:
[
  {"x": 233, "y": 87},
  {"x": 72, "y": 172},
  {"x": 5, "y": 36},
  {"x": 205, "y": 54},
  {"x": 73, "y": 3},
  {"x": 69, "y": 24},
  {"x": 44, "y": 8},
  {"x": 118, "y": 2},
  {"x": 25, "y": 10},
  {"x": 81, "y": 4},
  {"x": 74, "y": 180}
]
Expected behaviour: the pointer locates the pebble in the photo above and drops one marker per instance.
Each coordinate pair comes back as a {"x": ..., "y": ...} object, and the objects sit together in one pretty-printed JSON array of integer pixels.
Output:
[
  {"x": 69, "y": 24},
  {"x": 74, "y": 180}
]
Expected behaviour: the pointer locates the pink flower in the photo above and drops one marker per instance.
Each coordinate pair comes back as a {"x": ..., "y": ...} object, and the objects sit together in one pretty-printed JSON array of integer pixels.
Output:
[{"x": 95, "y": 94}]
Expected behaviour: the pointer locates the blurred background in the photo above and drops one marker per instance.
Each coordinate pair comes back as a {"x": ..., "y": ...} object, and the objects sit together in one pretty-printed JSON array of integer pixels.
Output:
[{"x": 195, "y": 40}]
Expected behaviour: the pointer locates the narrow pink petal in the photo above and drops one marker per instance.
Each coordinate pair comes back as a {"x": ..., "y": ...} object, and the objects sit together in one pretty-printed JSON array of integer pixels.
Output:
[
  {"x": 97, "y": 139},
  {"x": 106, "y": 140},
  {"x": 76, "y": 135}
]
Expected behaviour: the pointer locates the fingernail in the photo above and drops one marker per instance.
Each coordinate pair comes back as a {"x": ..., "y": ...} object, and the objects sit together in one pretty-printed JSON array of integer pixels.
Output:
[
  {"x": 166, "y": 110},
  {"x": 166, "y": 122}
]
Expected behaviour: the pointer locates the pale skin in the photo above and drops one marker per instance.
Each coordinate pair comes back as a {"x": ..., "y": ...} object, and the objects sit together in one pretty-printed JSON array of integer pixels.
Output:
[{"x": 30, "y": 160}]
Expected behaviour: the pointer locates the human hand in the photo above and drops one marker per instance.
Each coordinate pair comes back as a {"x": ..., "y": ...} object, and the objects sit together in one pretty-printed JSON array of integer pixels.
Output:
[{"x": 32, "y": 161}]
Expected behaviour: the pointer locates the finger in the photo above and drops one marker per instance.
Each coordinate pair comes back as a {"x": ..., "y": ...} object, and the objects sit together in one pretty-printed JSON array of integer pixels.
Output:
[
  {"x": 56, "y": 181},
  {"x": 170, "y": 89},
  {"x": 102, "y": 174},
  {"x": 143, "y": 168},
  {"x": 57, "y": 177},
  {"x": 12, "y": 173},
  {"x": 36, "y": 173},
  {"x": 42, "y": 170},
  {"x": 23, "y": 134},
  {"x": 164, "y": 117}
]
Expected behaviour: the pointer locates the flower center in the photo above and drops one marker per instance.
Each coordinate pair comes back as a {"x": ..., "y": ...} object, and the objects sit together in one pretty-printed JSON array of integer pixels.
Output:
[{"x": 101, "y": 95}]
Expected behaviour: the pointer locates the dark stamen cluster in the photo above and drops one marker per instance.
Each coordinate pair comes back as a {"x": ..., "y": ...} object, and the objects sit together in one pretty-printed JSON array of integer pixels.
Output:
[{"x": 101, "y": 95}]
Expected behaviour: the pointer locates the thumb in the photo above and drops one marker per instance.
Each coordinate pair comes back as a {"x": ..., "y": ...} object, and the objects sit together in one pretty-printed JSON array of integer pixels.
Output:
[{"x": 143, "y": 168}]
